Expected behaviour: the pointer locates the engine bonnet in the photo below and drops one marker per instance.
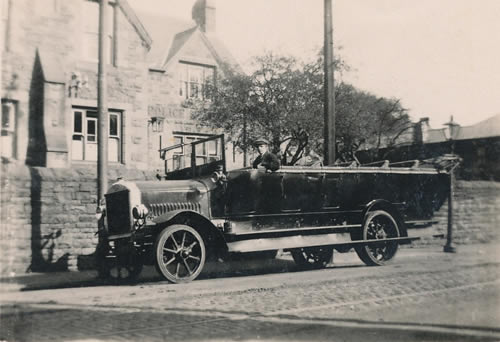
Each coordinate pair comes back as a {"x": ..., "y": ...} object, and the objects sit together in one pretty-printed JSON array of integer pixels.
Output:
[{"x": 163, "y": 196}]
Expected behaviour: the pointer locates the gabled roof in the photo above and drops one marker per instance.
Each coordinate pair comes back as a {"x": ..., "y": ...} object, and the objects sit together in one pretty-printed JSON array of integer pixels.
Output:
[
  {"x": 178, "y": 42},
  {"x": 129, "y": 13},
  {"x": 163, "y": 30},
  {"x": 170, "y": 35},
  {"x": 221, "y": 53}
]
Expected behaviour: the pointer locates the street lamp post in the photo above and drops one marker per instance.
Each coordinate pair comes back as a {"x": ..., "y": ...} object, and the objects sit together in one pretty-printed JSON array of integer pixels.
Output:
[{"x": 449, "y": 247}]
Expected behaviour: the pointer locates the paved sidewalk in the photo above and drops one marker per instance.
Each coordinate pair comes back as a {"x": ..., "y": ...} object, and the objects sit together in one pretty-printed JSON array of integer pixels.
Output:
[{"x": 466, "y": 254}]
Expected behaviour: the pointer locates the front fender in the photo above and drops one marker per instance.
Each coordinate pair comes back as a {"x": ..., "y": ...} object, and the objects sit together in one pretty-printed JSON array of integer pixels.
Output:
[
  {"x": 212, "y": 236},
  {"x": 381, "y": 204}
]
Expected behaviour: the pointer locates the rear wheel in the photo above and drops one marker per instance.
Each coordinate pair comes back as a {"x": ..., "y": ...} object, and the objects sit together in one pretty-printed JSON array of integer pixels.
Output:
[
  {"x": 180, "y": 253},
  {"x": 312, "y": 257},
  {"x": 378, "y": 225}
]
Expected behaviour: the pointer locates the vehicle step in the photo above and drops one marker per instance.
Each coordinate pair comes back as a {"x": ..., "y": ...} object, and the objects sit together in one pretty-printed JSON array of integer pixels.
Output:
[
  {"x": 300, "y": 241},
  {"x": 281, "y": 232}
]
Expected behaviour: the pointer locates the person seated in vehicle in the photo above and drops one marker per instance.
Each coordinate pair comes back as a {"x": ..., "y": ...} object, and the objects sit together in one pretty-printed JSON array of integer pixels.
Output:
[
  {"x": 310, "y": 158},
  {"x": 265, "y": 160}
]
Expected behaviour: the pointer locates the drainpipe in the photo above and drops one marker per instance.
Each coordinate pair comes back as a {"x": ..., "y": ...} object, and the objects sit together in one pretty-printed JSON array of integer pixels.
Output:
[{"x": 102, "y": 105}]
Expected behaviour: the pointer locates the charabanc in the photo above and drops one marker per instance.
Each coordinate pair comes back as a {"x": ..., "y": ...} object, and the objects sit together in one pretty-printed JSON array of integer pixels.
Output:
[{"x": 204, "y": 212}]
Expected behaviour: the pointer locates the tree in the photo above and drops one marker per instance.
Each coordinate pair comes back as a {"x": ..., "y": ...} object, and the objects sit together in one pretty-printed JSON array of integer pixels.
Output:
[
  {"x": 367, "y": 121},
  {"x": 282, "y": 100}
]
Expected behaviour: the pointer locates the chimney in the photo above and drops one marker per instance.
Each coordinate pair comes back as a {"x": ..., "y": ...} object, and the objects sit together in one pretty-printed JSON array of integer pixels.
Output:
[
  {"x": 424, "y": 128},
  {"x": 203, "y": 14}
]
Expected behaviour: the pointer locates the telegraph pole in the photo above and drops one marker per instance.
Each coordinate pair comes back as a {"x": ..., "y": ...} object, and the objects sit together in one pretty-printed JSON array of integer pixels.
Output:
[
  {"x": 102, "y": 104},
  {"x": 329, "y": 82}
]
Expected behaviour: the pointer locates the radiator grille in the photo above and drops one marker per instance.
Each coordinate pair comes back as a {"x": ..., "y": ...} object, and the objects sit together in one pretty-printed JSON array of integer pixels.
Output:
[
  {"x": 158, "y": 209},
  {"x": 118, "y": 212}
]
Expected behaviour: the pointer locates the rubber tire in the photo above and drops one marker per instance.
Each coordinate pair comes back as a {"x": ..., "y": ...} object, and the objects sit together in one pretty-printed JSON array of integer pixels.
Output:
[
  {"x": 323, "y": 254},
  {"x": 158, "y": 248},
  {"x": 364, "y": 252}
]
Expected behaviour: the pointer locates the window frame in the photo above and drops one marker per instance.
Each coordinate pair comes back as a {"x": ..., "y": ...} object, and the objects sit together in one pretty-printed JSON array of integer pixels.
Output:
[
  {"x": 12, "y": 108},
  {"x": 8, "y": 133},
  {"x": 182, "y": 159},
  {"x": 90, "y": 114},
  {"x": 195, "y": 87}
]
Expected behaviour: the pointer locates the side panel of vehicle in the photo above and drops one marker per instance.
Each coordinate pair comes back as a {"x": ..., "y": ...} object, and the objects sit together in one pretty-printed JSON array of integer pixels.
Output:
[{"x": 254, "y": 192}]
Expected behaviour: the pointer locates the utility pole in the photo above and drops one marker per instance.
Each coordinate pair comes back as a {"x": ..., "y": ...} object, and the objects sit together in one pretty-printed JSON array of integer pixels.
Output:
[
  {"x": 102, "y": 104},
  {"x": 329, "y": 87}
]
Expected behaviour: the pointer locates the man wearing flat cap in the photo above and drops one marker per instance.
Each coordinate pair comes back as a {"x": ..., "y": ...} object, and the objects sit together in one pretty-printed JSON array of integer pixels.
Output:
[{"x": 266, "y": 159}]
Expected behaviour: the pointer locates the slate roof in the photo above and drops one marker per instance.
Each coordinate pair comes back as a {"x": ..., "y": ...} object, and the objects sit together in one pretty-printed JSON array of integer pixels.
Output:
[
  {"x": 178, "y": 42},
  {"x": 435, "y": 135},
  {"x": 484, "y": 129}
]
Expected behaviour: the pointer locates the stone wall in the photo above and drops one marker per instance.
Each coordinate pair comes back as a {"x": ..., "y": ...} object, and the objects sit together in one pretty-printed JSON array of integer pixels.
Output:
[
  {"x": 48, "y": 217},
  {"x": 476, "y": 215}
]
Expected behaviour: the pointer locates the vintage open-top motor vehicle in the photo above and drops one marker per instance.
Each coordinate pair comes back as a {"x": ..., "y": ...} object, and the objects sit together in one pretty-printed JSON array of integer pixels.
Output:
[{"x": 204, "y": 211}]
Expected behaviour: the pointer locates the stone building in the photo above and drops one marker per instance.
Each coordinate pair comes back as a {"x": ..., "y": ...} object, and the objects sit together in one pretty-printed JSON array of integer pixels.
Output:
[
  {"x": 48, "y": 178},
  {"x": 49, "y": 82},
  {"x": 184, "y": 58}
]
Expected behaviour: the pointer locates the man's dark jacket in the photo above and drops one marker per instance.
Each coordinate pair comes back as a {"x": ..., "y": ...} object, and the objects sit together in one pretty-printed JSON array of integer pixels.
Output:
[{"x": 268, "y": 160}]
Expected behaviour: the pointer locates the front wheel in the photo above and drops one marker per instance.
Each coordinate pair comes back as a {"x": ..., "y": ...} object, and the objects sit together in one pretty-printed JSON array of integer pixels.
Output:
[
  {"x": 378, "y": 225},
  {"x": 180, "y": 253}
]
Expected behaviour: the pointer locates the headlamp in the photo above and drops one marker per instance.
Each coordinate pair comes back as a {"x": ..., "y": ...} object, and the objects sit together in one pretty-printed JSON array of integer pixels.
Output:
[
  {"x": 140, "y": 211},
  {"x": 100, "y": 210}
]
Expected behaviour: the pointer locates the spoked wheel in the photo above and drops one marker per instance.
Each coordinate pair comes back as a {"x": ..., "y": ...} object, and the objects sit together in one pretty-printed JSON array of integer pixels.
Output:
[
  {"x": 378, "y": 225},
  {"x": 312, "y": 257},
  {"x": 180, "y": 253},
  {"x": 125, "y": 266}
]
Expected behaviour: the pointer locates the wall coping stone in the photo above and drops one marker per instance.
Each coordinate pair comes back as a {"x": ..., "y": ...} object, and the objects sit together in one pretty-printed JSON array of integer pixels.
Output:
[{"x": 19, "y": 172}]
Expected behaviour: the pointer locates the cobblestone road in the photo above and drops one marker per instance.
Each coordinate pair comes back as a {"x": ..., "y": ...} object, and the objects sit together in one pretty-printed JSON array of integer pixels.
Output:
[{"x": 424, "y": 297}]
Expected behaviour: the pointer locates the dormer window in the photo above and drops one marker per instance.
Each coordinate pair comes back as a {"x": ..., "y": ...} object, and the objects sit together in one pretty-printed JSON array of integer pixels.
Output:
[
  {"x": 194, "y": 79},
  {"x": 91, "y": 32}
]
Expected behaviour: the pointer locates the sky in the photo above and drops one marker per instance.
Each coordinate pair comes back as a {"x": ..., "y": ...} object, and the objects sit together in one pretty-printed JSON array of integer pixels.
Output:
[{"x": 440, "y": 57}]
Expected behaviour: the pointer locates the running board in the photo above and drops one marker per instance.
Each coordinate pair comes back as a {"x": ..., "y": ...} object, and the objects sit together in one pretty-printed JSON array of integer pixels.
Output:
[
  {"x": 300, "y": 241},
  {"x": 287, "y": 232}
]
